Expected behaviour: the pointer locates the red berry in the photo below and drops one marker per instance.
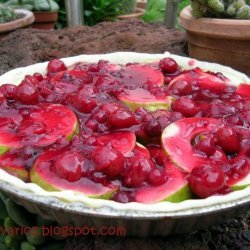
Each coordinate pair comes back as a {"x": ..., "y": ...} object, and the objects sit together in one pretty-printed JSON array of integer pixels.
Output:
[
  {"x": 206, "y": 180},
  {"x": 153, "y": 128},
  {"x": 2, "y": 96},
  {"x": 228, "y": 139},
  {"x": 84, "y": 105},
  {"x": 181, "y": 88},
  {"x": 9, "y": 90},
  {"x": 185, "y": 106},
  {"x": 69, "y": 166},
  {"x": 206, "y": 145},
  {"x": 122, "y": 118},
  {"x": 55, "y": 66},
  {"x": 138, "y": 171},
  {"x": 110, "y": 108},
  {"x": 109, "y": 161},
  {"x": 157, "y": 177},
  {"x": 27, "y": 92},
  {"x": 100, "y": 116},
  {"x": 168, "y": 65},
  {"x": 38, "y": 76},
  {"x": 123, "y": 196},
  {"x": 219, "y": 155}
]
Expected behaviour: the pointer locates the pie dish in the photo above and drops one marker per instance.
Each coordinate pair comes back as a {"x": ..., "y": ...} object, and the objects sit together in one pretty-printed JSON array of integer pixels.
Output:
[{"x": 78, "y": 206}]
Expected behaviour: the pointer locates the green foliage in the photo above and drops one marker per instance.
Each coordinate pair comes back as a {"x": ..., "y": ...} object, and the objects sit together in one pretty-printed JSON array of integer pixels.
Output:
[
  {"x": 128, "y": 6},
  {"x": 34, "y": 5},
  {"x": 96, "y": 11},
  {"x": 234, "y": 9},
  {"x": 155, "y": 11},
  {"x": 7, "y": 14},
  {"x": 14, "y": 216}
]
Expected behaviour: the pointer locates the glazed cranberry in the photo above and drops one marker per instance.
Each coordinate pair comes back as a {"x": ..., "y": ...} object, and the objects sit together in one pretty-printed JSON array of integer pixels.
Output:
[
  {"x": 69, "y": 166},
  {"x": 206, "y": 144},
  {"x": 86, "y": 90},
  {"x": 9, "y": 90},
  {"x": 223, "y": 191},
  {"x": 153, "y": 128},
  {"x": 55, "y": 66},
  {"x": 168, "y": 65},
  {"x": 158, "y": 155},
  {"x": 99, "y": 177},
  {"x": 105, "y": 82},
  {"x": 157, "y": 177},
  {"x": 205, "y": 180},
  {"x": 31, "y": 80},
  {"x": 2, "y": 96},
  {"x": 100, "y": 116},
  {"x": 228, "y": 139},
  {"x": 92, "y": 124},
  {"x": 164, "y": 121},
  {"x": 185, "y": 106},
  {"x": 7, "y": 124},
  {"x": 239, "y": 169},
  {"x": 234, "y": 120},
  {"x": 27, "y": 93},
  {"x": 175, "y": 116},
  {"x": 220, "y": 110},
  {"x": 180, "y": 88},
  {"x": 123, "y": 196},
  {"x": 109, "y": 108},
  {"x": 122, "y": 118},
  {"x": 219, "y": 155},
  {"x": 167, "y": 79},
  {"x": 108, "y": 160},
  {"x": 38, "y": 77},
  {"x": 84, "y": 105},
  {"x": 138, "y": 171}
]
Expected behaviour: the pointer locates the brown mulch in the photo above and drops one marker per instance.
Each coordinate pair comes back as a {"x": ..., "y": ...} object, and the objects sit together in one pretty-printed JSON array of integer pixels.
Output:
[{"x": 29, "y": 46}]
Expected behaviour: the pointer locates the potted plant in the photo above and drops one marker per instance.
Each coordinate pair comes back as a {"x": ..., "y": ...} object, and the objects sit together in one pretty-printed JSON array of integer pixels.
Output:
[
  {"x": 129, "y": 10},
  {"x": 219, "y": 31},
  {"x": 45, "y": 11},
  {"x": 11, "y": 19}
]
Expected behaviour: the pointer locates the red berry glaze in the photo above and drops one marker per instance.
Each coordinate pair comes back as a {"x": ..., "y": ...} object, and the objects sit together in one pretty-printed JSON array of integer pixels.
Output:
[
  {"x": 228, "y": 139},
  {"x": 185, "y": 106},
  {"x": 55, "y": 66},
  {"x": 69, "y": 166},
  {"x": 206, "y": 180},
  {"x": 168, "y": 65},
  {"x": 137, "y": 171}
]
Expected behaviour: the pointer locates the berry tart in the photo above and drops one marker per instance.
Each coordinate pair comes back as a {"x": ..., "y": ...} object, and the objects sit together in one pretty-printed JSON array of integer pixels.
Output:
[{"x": 162, "y": 130}]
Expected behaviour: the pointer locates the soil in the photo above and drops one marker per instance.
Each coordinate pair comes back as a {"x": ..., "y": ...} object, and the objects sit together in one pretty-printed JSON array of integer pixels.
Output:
[{"x": 28, "y": 46}]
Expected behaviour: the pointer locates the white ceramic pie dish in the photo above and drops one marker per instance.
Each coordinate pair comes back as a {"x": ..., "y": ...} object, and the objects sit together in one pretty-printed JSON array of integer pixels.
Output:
[{"x": 68, "y": 207}]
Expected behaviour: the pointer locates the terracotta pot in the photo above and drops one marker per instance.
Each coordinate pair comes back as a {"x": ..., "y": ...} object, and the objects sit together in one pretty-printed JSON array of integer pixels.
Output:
[
  {"x": 27, "y": 19},
  {"x": 225, "y": 41},
  {"x": 45, "y": 20},
  {"x": 137, "y": 14},
  {"x": 141, "y": 4}
]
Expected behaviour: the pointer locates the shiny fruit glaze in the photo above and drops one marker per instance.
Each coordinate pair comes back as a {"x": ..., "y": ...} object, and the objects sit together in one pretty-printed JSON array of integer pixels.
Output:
[{"x": 102, "y": 153}]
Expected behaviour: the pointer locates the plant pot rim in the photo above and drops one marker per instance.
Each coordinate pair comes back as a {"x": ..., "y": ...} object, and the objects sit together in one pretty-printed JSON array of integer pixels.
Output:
[
  {"x": 46, "y": 17},
  {"x": 138, "y": 13},
  {"x": 19, "y": 23},
  {"x": 214, "y": 26}
]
